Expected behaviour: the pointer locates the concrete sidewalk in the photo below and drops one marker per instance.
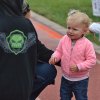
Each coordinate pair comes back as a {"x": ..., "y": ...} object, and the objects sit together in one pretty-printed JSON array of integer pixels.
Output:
[{"x": 56, "y": 27}]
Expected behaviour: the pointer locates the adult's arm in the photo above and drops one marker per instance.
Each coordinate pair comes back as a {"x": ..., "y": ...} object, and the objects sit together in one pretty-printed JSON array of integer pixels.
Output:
[{"x": 44, "y": 53}]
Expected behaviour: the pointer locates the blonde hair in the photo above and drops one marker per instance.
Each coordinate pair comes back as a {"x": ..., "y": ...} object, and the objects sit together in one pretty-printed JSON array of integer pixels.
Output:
[{"x": 78, "y": 16}]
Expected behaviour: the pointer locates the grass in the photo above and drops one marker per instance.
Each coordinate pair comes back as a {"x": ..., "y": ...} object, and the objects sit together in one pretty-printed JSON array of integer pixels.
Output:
[
  {"x": 93, "y": 38},
  {"x": 56, "y": 10}
]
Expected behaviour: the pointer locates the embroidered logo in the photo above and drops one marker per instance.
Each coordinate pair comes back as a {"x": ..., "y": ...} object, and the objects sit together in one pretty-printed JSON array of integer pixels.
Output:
[{"x": 16, "y": 41}]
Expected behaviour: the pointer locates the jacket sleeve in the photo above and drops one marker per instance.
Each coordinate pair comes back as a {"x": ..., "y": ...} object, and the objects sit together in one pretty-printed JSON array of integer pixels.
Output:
[
  {"x": 44, "y": 53},
  {"x": 90, "y": 58}
]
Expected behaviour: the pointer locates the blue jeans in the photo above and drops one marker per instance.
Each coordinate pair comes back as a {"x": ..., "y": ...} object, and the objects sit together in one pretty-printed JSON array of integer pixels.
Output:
[
  {"x": 45, "y": 75},
  {"x": 78, "y": 88}
]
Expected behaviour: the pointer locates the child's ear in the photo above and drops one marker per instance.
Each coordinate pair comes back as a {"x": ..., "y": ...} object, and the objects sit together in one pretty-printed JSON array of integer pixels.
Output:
[
  {"x": 86, "y": 31},
  {"x": 90, "y": 32}
]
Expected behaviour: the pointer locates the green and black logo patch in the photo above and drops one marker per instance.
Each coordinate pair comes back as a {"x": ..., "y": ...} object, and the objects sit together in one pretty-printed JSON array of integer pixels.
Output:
[{"x": 16, "y": 41}]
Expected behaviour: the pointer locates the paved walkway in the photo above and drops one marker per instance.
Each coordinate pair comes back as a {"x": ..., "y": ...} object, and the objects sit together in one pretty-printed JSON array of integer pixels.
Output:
[{"x": 50, "y": 33}]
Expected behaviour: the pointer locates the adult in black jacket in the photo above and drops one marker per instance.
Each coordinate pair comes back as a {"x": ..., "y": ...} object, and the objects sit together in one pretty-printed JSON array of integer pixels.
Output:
[{"x": 19, "y": 51}]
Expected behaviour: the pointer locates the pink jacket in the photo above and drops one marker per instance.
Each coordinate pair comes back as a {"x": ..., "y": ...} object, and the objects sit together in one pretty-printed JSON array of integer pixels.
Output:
[{"x": 82, "y": 55}]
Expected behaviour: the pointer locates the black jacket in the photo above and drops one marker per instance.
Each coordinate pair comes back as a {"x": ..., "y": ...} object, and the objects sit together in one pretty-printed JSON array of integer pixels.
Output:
[{"x": 19, "y": 51}]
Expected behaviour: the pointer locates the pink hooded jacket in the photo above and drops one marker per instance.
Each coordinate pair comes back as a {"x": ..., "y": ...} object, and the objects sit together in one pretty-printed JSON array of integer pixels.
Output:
[{"x": 82, "y": 55}]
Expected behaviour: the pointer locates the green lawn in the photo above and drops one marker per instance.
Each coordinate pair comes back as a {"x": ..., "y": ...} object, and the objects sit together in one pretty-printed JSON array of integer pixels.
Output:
[{"x": 56, "y": 10}]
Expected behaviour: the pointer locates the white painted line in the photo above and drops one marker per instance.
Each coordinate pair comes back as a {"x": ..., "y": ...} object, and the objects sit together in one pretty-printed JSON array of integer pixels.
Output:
[
  {"x": 98, "y": 61},
  {"x": 37, "y": 99}
]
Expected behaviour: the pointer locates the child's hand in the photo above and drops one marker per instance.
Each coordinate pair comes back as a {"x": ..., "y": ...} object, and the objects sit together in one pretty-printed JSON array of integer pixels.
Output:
[
  {"x": 74, "y": 68},
  {"x": 52, "y": 60}
]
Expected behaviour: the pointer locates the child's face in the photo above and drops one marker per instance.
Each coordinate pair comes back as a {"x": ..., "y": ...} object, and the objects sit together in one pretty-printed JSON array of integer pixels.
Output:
[{"x": 75, "y": 30}]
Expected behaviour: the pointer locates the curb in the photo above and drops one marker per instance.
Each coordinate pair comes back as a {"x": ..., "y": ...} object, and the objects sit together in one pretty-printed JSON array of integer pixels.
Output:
[{"x": 56, "y": 27}]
